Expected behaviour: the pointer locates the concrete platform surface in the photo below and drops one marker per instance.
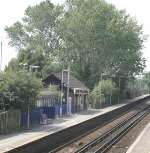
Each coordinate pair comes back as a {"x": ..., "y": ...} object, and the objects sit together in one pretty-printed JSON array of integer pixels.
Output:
[
  {"x": 8, "y": 142},
  {"x": 142, "y": 143}
]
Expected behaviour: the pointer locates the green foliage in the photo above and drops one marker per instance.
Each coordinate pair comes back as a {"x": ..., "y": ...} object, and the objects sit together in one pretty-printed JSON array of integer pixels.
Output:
[
  {"x": 98, "y": 38},
  {"x": 108, "y": 87},
  {"x": 102, "y": 90},
  {"x": 35, "y": 36},
  {"x": 50, "y": 68},
  {"x": 18, "y": 89},
  {"x": 13, "y": 65},
  {"x": 51, "y": 90},
  {"x": 54, "y": 92},
  {"x": 146, "y": 79},
  {"x": 92, "y": 35}
]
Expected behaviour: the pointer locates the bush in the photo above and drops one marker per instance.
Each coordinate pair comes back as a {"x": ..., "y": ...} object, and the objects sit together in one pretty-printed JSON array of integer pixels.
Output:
[
  {"x": 53, "y": 93},
  {"x": 102, "y": 90},
  {"x": 18, "y": 89}
]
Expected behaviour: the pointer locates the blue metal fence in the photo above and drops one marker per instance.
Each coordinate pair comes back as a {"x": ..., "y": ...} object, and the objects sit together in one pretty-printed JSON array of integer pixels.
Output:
[
  {"x": 51, "y": 112},
  {"x": 35, "y": 116}
]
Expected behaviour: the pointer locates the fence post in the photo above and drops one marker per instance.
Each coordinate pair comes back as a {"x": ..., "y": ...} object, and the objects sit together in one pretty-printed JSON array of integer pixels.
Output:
[{"x": 28, "y": 118}]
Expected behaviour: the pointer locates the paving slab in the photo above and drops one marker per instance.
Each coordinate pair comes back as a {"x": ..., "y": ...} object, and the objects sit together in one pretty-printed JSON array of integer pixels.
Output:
[
  {"x": 142, "y": 143},
  {"x": 8, "y": 142}
]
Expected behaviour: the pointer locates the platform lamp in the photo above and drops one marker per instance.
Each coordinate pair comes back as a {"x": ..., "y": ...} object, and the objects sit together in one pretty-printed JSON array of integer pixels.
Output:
[
  {"x": 31, "y": 67},
  {"x": 119, "y": 90},
  {"x": 68, "y": 84},
  {"x": 101, "y": 78},
  {"x": 62, "y": 84},
  {"x": 61, "y": 87}
]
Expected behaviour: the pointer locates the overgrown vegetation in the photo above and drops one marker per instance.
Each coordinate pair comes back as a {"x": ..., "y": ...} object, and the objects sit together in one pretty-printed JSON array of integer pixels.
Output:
[
  {"x": 18, "y": 89},
  {"x": 91, "y": 36},
  {"x": 104, "y": 89},
  {"x": 52, "y": 91}
]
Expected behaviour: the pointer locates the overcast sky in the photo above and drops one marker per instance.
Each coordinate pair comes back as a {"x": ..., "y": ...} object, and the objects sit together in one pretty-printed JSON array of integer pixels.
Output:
[{"x": 13, "y": 10}]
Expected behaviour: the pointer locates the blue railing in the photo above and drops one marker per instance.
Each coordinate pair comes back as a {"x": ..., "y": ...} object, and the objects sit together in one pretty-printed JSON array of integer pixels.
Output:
[{"x": 51, "y": 112}]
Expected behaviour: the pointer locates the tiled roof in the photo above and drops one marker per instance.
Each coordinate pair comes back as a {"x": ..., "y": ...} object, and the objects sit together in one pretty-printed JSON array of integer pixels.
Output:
[{"x": 73, "y": 82}]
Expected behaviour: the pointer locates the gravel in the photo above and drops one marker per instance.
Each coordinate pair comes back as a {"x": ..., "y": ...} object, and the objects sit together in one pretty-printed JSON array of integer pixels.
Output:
[
  {"x": 123, "y": 145},
  {"x": 120, "y": 147}
]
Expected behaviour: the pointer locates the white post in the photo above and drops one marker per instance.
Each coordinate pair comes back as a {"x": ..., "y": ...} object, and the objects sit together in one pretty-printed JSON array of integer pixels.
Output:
[
  {"x": 28, "y": 118},
  {"x": 119, "y": 91},
  {"x": 140, "y": 93},
  {"x": 68, "y": 90},
  {"x": 110, "y": 98},
  {"x": 6, "y": 120},
  {"x": 101, "y": 90},
  {"x": 62, "y": 80},
  {"x": 133, "y": 90}
]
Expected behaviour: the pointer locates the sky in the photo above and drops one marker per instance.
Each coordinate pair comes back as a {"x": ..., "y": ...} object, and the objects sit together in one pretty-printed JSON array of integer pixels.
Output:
[{"x": 13, "y": 10}]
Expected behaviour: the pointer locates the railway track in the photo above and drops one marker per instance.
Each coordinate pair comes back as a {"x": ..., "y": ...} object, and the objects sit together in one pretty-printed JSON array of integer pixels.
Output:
[
  {"x": 104, "y": 142},
  {"x": 70, "y": 139},
  {"x": 114, "y": 120},
  {"x": 75, "y": 144}
]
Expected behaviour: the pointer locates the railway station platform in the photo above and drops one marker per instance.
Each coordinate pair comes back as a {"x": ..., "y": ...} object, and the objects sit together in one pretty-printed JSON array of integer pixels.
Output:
[
  {"x": 142, "y": 143},
  {"x": 11, "y": 141}
]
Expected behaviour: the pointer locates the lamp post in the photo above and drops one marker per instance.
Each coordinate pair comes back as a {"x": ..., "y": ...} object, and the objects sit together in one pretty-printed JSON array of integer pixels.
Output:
[
  {"x": 119, "y": 91},
  {"x": 31, "y": 67},
  {"x": 61, "y": 87},
  {"x": 101, "y": 77},
  {"x": 68, "y": 84},
  {"x": 61, "y": 96},
  {"x": 2, "y": 105},
  {"x": 62, "y": 83}
]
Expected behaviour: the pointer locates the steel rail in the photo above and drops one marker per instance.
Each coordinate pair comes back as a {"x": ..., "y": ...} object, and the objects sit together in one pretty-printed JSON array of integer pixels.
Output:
[
  {"x": 112, "y": 140},
  {"x": 110, "y": 137},
  {"x": 86, "y": 133}
]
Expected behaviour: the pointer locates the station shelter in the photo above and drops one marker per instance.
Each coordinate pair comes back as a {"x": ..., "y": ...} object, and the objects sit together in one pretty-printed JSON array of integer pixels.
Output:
[{"x": 78, "y": 92}]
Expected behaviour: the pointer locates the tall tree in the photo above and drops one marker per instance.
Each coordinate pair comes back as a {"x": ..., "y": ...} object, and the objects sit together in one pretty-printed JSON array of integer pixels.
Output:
[
  {"x": 18, "y": 89},
  {"x": 90, "y": 35},
  {"x": 98, "y": 37},
  {"x": 35, "y": 36}
]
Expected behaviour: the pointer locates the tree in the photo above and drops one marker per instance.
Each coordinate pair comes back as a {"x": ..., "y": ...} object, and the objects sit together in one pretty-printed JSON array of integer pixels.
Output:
[
  {"x": 54, "y": 92},
  {"x": 35, "y": 36},
  {"x": 97, "y": 37},
  {"x": 104, "y": 89},
  {"x": 146, "y": 81},
  {"x": 18, "y": 89},
  {"x": 50, "y": 68},
  {"x": 108, "y": 87},
  {"x": 4, "y": 94},
  {"x": 91, "y": 36},
  {"x": 13, "y": 65}
]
